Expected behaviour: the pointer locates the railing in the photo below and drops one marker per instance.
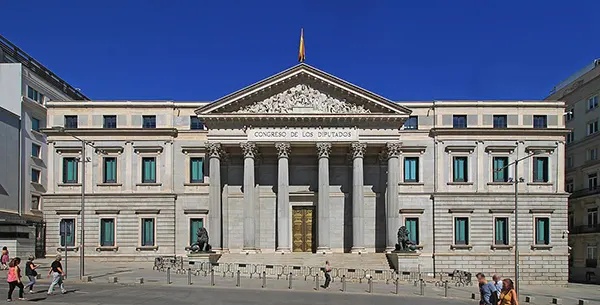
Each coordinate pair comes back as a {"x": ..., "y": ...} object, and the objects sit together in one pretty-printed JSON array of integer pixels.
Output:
[
  {"x": 595, "y": 228},
  {"x": 585, "y": 192}
]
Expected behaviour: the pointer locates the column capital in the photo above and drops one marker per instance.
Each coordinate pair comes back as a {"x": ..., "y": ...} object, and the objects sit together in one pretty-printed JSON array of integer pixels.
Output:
[
  {"x": 283, "y": 149},
  {"x": 214, "y": 149},
  {"x": 358, "y": 150},
  {"x": 323, "y": 149},
  {"x": 393, "y": 149},
  {"x": 249, "y": 149}
]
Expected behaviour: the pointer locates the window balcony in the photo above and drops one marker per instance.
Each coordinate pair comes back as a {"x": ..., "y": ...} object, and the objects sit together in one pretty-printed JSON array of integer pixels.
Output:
[
  {"x": 585, "y": 192},
  {"x": 586, "y": 229}
]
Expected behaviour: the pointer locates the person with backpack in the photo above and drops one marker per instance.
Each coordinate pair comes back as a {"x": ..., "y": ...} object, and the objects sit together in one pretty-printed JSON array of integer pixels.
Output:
[
  {"x": 488, "y": 291},
  {"x": 30, "y": 273},
  {"x": 508, "y": 296}
]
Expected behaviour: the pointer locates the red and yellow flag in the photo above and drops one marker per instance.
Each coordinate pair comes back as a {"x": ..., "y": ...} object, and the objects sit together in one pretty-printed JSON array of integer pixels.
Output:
[{"x": 301, "y": 55}]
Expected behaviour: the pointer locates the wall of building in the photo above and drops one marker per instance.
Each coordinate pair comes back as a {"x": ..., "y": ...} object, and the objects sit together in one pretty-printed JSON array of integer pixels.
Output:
[{"x": 9, "y": 163}]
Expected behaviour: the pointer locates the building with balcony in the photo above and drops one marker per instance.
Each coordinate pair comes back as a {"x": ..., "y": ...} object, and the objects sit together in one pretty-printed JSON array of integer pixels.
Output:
[
  {"x": 581, "y": 92},
  {"x": 25, "y": 88}
]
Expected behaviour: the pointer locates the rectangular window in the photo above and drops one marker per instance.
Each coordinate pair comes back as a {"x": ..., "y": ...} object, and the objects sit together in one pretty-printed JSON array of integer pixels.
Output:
[
  {"x": 459, "y": 121},
  {"x": 592, "y": 181},
  {"x": 500, "y": 121},
  {"x": 35, "y": 124},
  {"x": 571, "y": 221},
  {"x": 570, "y": 114},
  {"x": 196, "y": 123},
  {"x": 35, "y": 175},
  {"x": 147, "y": 232},
  {"x": 500, "y": 169},
  {"x": 592, "y": 128},
  {"x": 35, "y": 150},
  {"x": 542, "y": 231},
  {"x": 540, "y": 121},
  {"x": 461, "y": 231},
  {"x": 592, "y": 102},
  {"x": 35, "y": 203},
  {"x": 460, "y": 169},
  {"x": 196, "y": 170},
  {"x": 149, "y": 170},
  {"x": 412, "y": 225},
  {"x": 592, "y": 252},
  {"x": 501, "y": 231},
  {"x": 148, "y": 121},
  {"x": 110, "y": 121},
  {"x": 67, "y": 232},
  {"x": 70, "y": 121},
  {"x": 195, "y": 224},
  {"x": 411, "y": 169},
  {"x": 540, "y": 169},
  {"x": 591, "y": 154},
  {"x": 107, "y": 232},
  {"x": 35, "y": 95},
  {"x": 569, "y": 186},
  {"x": 412, "y": 123},
  {"x": 592, "y": 215},
  {"x": 70, "y": 170},
  {"x": 570, "y": 137},
  {"x": 570, "y": 162},
  {"x": 110, "y": 170}
]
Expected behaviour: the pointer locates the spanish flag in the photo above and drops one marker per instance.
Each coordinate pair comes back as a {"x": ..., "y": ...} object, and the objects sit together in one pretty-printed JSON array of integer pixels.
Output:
[{"x": 301, "y": 55}]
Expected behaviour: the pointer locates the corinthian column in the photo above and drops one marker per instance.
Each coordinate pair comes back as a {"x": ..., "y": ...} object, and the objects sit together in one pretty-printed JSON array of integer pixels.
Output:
[
  {"x": 214, "y": 193},
  {"x": 283, "y": 197},
  {"x": 249, "y": 152},
  {"x": 391, "y": 208},
  {"x": 323, "y": 151},
  {"x": 358, "y": 207}
]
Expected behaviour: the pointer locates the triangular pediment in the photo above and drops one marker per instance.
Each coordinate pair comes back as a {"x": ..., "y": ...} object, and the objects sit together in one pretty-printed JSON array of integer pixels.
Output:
[{"x": 302, "y": 90}]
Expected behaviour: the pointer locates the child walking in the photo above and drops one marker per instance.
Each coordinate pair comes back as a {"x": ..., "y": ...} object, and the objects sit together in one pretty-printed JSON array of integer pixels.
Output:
[{"x": 4, "y": 259}]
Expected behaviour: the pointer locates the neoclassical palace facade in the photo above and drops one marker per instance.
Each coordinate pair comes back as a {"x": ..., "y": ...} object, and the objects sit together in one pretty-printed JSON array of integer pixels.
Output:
[{"x": 306, "y": 162}]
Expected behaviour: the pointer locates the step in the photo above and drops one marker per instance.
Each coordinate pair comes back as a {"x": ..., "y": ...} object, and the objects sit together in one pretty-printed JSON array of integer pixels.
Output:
[{"x": 338, "y": 260}]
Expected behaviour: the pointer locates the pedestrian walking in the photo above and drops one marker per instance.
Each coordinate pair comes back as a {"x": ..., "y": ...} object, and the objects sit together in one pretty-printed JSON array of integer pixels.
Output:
[
  {"x": 487, "y": 290},
  {"x": 508, "y": 296},
  {"x": 14, "y": 279},
  {"x": 327, "y": 270},
  {"x": 30, "y": 273},
  {"x": 498, "y": 283},
  {"x": 56, "y": 270},
  {"x": 4, "y": 259}
]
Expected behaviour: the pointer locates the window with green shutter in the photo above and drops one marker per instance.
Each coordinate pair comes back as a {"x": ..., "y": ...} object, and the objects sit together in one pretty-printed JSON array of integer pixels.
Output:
[
  {"x": 411, "y": 169},
  {"x": 461, "y": 231},
  {"x": 542, "y": 231},
  {"x": 107, "y": 232},
  {"x": 67, "y": 232},
  {"x": 195, "y": 224},
  {"x": 500, "y": 171},
  {"x": 110, "y": 170},
  {"x": 501, "y": 231},
  {"x": 540, "y": 169},
  {"x": 149, "y": 170},
  {"x": 70, "y": 170},
  {"x": 460, "y": 169},
  {"x": 412, "y": 225},
  {"x": 147, "y": 232},
  {"x": 196, "y": 170}
]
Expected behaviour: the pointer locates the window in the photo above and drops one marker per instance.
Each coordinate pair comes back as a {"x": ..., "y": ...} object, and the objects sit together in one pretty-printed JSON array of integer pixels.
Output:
[
  {"x": 35, "y": 175},
  {"x": 592, "y": 252},
  {"x": 147, "y": 232},
  {"x": 500, "y": 121},
  {"x": 570, "y": 114},
  {"x": 461, "y": 231},
  {"x": 35, "y": 95},
  {"x": 542, "y": 231},
  {"x": 459, "y": 121},
  {"x": 540, "y": 121},
  {"x": 196, "y": 123},
  {"x": 592, "y": 128},
  {"x": 570, "y": 137},
  {"x": 500, "y": 169},
  {"x": 70, "y": 121},
  {"x": 412, "y": 225},
  {"x": 592, "y": 217},
  {"x": 149, "y": 170},
  {"x": 571, "y": 221},
  {"x": 148, "y": 121},
  {"x": 35, "y": 124},
  {"x": 35, "y": 203},
  {"x": 570, "y": 163},
  {"x": 195, "y": 224},
  {"x": 592, "y": 181},
  {"x": 196, "y": 170},
  {"x": 591, "y": 154},
  {"x": 460, "y": 169},
  {"x": 411, "y": 169},
  {"x": 412, "y": 123},
  {"x": 70, "y": 170},
  {"x": 592, "y": 102},
  {"x": 110, "y": 121},
  {"x": 67, "y": 232},
  {"x": 540, "y": 169},
  {"x": 35, "y": 150},
  {"x": 569, "y": 186},
  {"x": 107, "y": 232},
  {"x": 501, "y": 231},
  {"x": 110, "y": 170}
]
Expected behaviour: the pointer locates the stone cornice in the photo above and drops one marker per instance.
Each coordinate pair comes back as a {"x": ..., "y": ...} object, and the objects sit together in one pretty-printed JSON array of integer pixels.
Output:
[
  {"x": 497, "y": 131},
  {"x": 113, "y": 131}
]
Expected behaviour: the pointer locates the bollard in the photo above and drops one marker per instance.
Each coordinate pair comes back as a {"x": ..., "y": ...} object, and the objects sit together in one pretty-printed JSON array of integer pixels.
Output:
[
  {"x": 290, "y": 281},
  {"x": 113, "y": 279},
  {"x": 317, "y": 281},
  {"x": 344, "y": 282},
  {"x": 86, "y": 278},
  {"x": 264, "y": 279},
  {"x": 528, "y": 299},
  {"x": 422, "y": 287},
  {"x": 169, "y": 275},
  {"x": 472, "y": 296},
  {"x": 212, "y": 276},
  {"x": 370, "y": 282},
  {"x": 238, "y": 280},
  {"x": 189, "y": 276},
  {"x": 556, "y": 301},
  {"x": 445, "y": 289},
  {"x": 139, "y": 280},
  {"x": 397, "y": 285}
]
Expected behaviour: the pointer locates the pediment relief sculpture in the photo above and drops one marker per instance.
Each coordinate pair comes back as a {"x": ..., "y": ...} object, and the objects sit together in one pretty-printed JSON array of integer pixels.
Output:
[{"x": 303, "y": 99}]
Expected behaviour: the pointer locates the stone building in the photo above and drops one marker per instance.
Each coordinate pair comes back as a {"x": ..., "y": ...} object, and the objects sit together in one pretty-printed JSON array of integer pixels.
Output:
[{"x": 303, "y": 161}]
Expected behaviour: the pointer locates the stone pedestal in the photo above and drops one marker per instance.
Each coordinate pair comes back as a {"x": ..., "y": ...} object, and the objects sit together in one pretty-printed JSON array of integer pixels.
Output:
[
  {"x": 404, "y": 261},
  {"x": 194, "y": 258}
]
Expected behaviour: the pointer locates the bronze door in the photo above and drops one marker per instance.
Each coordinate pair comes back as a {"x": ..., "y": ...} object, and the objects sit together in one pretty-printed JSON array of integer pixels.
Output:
[{"x": 303, "y": 229}]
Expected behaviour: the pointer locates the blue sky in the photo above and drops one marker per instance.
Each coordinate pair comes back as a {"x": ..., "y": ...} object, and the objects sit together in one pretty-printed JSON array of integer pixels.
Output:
[{"x": 403, "y": 50}]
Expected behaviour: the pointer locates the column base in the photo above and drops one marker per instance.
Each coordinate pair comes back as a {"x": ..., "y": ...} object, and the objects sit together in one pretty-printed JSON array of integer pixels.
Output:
[
  {"x": 358, "y": 250},
  {"x": 324, "y": 250}
]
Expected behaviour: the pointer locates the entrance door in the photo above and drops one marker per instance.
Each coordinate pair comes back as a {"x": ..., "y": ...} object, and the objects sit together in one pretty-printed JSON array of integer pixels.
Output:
[{"x": 303, "y": 229}]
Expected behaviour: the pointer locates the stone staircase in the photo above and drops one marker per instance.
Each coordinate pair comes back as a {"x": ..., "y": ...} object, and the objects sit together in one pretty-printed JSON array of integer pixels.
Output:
[{"x": 375, "y": 261}]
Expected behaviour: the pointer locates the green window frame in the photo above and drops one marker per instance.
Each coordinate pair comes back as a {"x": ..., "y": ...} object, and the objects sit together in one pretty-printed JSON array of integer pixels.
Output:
[
  {"x": 67, "y": 232},
  {"x": 460, "y": 169},
  {"x": 70, "y": 170},
  {"x": 107, "y": 232},
  {"x": 147, "y": 238},
  {"x": 35, "y": 175},
  {"x": 35, "y": 124},
  {"x": 500, "y": 171},
  {"x": 195, "y": 224},
  {"x": 461, "y": 230},
  {"x": 149, "y": 170},
  {"x": 542, "y": 231},
  {"x": 412, "y": 225},
  {"x": 196, "y": 170},
  {"x": 110, "y": 170},
  {"x": 35, "y": 150},
  {"x": 540, "y": 169},
  {"x": 411, "y": 169},
  {"x": 501, "y": 236}
]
